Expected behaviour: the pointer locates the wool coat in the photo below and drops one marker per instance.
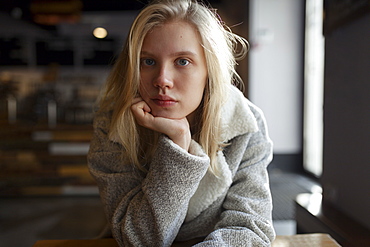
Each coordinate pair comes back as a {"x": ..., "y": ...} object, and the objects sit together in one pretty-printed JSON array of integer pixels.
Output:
[{"x": 179, "y": 199}]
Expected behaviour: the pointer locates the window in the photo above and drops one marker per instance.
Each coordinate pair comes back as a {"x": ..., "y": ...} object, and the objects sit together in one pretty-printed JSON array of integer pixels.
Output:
[{"x": 313, "y": 88}]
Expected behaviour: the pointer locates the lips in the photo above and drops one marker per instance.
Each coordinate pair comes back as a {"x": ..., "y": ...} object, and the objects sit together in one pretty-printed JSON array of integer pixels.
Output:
[{"x": 164, "y": 101}]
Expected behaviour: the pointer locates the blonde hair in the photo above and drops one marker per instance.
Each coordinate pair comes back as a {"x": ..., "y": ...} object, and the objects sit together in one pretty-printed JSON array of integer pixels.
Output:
[{"x": 220, "y": 46}]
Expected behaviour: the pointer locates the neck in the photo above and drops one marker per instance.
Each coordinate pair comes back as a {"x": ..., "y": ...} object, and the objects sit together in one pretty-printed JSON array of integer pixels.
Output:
[{"x": 194, "y": 120}]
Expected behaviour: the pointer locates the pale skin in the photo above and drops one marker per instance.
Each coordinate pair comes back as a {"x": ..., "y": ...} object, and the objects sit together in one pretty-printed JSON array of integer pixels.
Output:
[{"x": 173, "y": 77}]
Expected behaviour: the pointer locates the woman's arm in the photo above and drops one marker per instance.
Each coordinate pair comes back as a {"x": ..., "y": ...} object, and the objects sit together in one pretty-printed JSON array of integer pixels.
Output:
[
  {"x": 144, "y": 210},
  {"x": 246, "y": 219}
]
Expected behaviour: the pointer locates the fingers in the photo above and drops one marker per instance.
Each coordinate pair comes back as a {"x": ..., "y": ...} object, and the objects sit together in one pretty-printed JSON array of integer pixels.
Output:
[
  {"x": 141, "y": 111},
  {"x": 139, "y": 104}
]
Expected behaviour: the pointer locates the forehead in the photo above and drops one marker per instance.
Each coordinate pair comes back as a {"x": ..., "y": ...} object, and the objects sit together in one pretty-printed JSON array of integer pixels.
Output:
[{"x": 171, "y": 37}]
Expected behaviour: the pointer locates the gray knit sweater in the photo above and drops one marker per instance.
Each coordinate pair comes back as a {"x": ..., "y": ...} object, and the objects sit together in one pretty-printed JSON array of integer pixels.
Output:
[{"x": 179, "y": 199}]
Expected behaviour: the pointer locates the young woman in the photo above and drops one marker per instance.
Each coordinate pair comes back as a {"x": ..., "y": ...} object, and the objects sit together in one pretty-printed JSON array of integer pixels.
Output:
[{"x": 178, "y": 153}]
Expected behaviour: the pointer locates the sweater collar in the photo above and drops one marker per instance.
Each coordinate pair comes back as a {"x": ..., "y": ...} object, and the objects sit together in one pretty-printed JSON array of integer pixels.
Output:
[{"x": 237, "y": 118}]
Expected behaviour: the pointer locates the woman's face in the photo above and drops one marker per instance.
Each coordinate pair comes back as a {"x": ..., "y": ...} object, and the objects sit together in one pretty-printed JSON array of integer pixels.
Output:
[{"x": 173, "y": 70}]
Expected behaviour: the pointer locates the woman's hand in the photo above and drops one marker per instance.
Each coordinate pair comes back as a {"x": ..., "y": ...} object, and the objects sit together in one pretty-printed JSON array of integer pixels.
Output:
[{"x": 177, "y": 130}]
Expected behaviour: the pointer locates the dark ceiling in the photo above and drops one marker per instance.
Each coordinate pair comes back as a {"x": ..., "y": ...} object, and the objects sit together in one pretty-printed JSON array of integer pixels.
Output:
[
  {"x": 88, "y": 5},
  {"x": 21, "y": 8}
]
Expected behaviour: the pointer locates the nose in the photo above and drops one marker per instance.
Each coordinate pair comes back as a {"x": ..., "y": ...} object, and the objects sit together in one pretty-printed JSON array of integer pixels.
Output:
[{"x": 163, "y": 79}]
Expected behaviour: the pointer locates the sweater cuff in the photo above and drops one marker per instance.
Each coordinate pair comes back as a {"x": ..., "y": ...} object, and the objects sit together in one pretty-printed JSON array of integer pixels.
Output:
[
  {"x": 195, "y": 152},
  {"x": 196, "y": 149}
]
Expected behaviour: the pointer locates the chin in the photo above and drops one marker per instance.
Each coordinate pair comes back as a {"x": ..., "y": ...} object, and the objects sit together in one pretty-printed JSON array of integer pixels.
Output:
[{"x": 166, "y": 114}]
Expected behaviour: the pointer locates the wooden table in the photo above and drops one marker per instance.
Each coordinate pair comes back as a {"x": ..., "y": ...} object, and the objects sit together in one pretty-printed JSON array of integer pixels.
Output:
[
  {"x": 301, "y": 240},
  {"x": 305, "y": 240},
  {"x": 315, "y": 215}
]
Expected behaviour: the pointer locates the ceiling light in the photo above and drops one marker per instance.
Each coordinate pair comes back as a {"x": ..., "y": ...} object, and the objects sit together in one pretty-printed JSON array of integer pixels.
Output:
[{"x": 100, "y": 32}]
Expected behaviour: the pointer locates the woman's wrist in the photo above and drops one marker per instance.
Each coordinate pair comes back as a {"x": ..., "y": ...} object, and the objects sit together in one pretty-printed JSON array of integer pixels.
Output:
[{"x": 183, "y": 139}]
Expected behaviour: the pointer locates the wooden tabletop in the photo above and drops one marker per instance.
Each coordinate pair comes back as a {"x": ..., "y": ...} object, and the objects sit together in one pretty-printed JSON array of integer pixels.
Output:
[
  {"x": 305, "y": 240},
  {"x": 300, "y": 240}
]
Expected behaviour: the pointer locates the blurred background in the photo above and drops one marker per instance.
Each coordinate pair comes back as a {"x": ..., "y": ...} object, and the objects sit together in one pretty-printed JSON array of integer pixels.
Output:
[{"x": 307, "y": 68}]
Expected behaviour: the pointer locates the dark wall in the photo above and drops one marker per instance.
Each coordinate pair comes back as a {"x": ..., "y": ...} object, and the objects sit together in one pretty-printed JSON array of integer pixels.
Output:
[{"x": 346, "y": 179}]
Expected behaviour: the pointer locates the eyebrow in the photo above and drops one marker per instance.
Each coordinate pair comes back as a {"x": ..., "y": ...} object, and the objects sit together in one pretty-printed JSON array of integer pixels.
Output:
[{"x": 180, "y": 53}]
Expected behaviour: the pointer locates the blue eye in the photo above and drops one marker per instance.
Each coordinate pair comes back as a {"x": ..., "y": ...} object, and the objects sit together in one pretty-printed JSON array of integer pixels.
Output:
[
  {"x": 182, "y": 62},
  {"x": 148, "y": 62}
]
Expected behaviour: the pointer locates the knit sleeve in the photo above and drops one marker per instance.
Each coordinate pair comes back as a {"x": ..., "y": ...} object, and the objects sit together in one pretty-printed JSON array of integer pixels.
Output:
[
  {"x": 246, "y": 218},
  {"x": 145, "y": 210}
]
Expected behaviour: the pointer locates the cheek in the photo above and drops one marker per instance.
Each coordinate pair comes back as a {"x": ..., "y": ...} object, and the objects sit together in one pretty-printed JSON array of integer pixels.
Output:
[
  {"x": 195, "y": 91},
  {"x": 143, "y": 91},
  {"x": 144, "y": 86},
  {"x": 202, "y": 85}
]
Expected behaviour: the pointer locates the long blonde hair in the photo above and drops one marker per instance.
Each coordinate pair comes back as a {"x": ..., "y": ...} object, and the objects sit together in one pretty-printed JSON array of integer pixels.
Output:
[{"x": 220, "y": 46}]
